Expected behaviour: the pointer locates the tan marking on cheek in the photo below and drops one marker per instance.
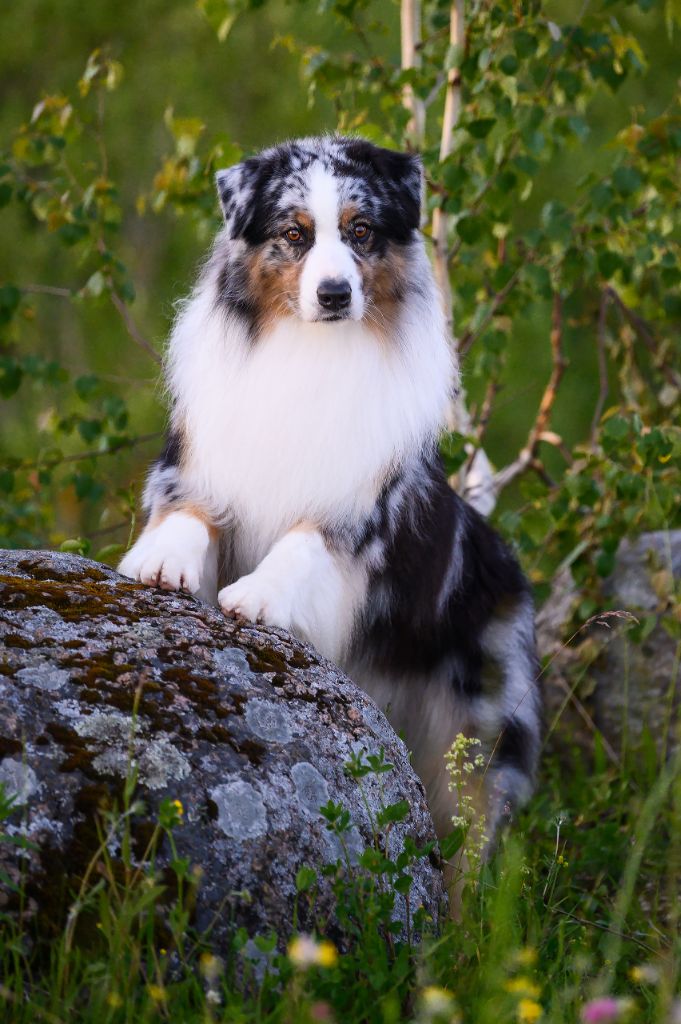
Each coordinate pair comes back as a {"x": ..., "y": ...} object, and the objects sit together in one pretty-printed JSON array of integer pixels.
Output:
[
  {"x": 273, "y": 288},
  {"x": 384, "y": 282}
]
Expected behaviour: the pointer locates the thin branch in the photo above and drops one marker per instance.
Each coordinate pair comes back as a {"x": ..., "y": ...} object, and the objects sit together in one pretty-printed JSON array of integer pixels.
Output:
[
  {"x": 119, "y": 305},
  {"x": 94, "y": 453},
  {"x": 467, "y": 340},
  {"x": 538, "y": 431},
  {"x": 46, "y": 289},
  {"x": 644, "y": 332},
  {"x": 410, "y": 25},
  {"x": 602, "y": 365},
  {"x": 132, "y": 327}
]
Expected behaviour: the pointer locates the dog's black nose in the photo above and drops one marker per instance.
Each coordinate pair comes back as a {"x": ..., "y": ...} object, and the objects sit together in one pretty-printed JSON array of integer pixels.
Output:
[{"x": 334, "y": 295}]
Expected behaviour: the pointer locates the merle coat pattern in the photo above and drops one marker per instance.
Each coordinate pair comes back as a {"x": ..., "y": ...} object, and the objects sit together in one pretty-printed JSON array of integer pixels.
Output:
[{"x": 309, "y": 376}]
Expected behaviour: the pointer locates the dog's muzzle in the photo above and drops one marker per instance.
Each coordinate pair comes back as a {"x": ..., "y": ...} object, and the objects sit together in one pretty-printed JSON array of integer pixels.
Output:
[{"x": 334, "y": 296}]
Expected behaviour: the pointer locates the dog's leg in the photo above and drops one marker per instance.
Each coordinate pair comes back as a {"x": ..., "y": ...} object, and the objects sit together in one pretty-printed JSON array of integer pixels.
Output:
[
  {"x": 302, "y": 585},
  {"x": 177, "y": 551}
]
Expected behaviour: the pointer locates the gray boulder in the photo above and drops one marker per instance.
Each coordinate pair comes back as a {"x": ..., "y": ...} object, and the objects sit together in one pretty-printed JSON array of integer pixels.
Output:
[
  {"x": 619, "y": 681},
  {"x": 245, "y": 726}
]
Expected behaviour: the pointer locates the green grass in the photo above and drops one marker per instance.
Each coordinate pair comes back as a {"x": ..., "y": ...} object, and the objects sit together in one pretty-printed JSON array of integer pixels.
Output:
[{"x": 580, "y": 901}]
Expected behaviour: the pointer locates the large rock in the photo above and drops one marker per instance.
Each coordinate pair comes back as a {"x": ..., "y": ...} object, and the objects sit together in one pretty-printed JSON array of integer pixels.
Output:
[
  {"x": 622, "y": 681},
  {"x": 248, "y": 728}
]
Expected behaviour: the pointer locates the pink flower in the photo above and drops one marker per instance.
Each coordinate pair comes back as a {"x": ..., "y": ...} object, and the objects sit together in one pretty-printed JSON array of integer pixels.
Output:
[{"x": 603, "y": 1010}]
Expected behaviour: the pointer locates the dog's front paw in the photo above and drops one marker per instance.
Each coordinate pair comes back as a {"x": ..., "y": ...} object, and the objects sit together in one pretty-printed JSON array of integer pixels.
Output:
[
  {"x": 171, "y": 555},
  {"x": 259, "y": 599},
  {"x": 158, "y": 567}
]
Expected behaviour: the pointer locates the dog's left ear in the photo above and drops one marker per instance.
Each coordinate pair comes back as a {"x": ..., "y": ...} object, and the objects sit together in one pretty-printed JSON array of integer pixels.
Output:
[
  {"x": 236, "y": 189},
  {"x": 401, "y": 173}
]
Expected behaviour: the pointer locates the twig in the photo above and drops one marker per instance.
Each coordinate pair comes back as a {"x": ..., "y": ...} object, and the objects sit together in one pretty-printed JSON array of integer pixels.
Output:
[
  {"x": 604, "y": 928},
  {"x": 602, "y": 365},
  {"x": 643, "y": 331},
  {"x": 93, "y": 454},
  {"x": 410, "y": 25},
  {"x": 119, "y": 305},
  {"x": 131, "y": 326},
  {"x": 537, "y": 433},
  {"x": 47, "y": 289},
  {"x": 467, "y": 340}
]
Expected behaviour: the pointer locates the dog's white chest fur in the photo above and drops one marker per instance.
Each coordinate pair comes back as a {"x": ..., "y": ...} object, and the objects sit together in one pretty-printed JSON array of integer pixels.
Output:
[{"x": 302, "y": 426}]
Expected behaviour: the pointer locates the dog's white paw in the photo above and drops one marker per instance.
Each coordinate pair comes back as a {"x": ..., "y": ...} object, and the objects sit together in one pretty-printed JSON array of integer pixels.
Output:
[
  {"x": 171, "y": 555},
  {"x": 259, "y": 599}
]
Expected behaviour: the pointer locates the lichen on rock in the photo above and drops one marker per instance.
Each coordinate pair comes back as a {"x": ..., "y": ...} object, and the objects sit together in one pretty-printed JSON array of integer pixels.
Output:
[{"x": 103, "y": 680}]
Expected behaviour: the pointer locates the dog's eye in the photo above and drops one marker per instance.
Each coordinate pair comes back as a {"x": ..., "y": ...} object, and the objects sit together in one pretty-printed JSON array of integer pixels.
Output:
[
  {"x": 361, "y": 231},
  {"x": 294, "y": 235}
]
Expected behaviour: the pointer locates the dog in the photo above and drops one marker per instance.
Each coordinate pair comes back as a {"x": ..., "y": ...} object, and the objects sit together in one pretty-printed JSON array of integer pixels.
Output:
[{"x": 309, "y": 375}]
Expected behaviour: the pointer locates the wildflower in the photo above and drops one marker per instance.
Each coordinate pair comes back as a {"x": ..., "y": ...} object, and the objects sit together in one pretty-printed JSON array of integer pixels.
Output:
[
  {"x": 177, "y": 804},
  {"x": 645, "y": 974},
  {"x": 526, "y": 957},
  {"x": 605, "y": 1009},
  {"x": 304, "y": 951},
  {"x": 213, "y": 997},
  {"x": 436, "y": 1000},
  {"x": 114, "y": 1000},
  {"x": 157, "y": 993},
  {"x": 320, "y": 1011},
  {"x": 210, "y": 965},
  {"x": 529, "y": 1011},
  {"x": 523, "y": 986}
]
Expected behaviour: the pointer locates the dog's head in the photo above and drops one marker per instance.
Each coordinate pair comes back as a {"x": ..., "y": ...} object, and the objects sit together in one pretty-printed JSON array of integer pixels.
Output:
[{"x": 326, "y": 227}]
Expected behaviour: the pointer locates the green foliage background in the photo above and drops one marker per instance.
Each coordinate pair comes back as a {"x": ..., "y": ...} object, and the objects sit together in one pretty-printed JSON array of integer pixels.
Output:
[
  {"x": 562, "y": 190},
  {"x": 107, "y": 198}
]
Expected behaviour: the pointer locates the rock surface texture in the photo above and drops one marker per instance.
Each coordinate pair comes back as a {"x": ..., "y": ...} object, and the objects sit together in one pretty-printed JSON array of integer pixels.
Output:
[
  {"x": 248, "y": 728},
  {"x": 627, "y": 685}
]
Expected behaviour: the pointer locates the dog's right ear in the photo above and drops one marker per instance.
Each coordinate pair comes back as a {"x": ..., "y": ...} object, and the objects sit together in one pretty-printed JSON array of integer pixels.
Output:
[{"x": 236, "y": 189}]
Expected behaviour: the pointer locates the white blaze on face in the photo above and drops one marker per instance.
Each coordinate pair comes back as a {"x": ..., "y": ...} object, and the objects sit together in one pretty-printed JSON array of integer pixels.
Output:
[{"x": 330, "y": 259}]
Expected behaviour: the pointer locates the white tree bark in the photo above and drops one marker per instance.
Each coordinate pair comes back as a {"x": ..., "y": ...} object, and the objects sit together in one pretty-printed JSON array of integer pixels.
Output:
[
  {"x": 476, "y": 481},
  {"x": 410, "y": 25}
]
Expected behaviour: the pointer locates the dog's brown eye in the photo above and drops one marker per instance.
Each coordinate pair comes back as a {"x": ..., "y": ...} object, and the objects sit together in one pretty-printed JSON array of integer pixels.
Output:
[
  {"x": 361, "y": 231},
  {"x": 294, "y": 235}
]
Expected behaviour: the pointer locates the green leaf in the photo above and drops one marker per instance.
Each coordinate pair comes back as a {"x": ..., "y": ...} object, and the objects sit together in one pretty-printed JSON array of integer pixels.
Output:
[
  {"x": 525, "y": 43},
  {"x": 481, "y": 127},
  {"x": 75, "y": 545},
  {"x": 509, "y": 64},
  {"x": 11, "y": 375},
  {"x": 305, "y": 879},
  {"x": 470, "y": 229},
  {"x": 609, "y": 263},
  {"x": 626, "y": 180},
  {"x": 393, "y": 812}
]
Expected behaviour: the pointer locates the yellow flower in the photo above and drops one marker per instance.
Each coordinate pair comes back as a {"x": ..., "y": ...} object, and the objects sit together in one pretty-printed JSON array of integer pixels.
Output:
[
  {"x": 177, "y": 804},
  {"x": 645, "y": 974},
  {"x": 526, "y": 957},
  {"x": 210, "y": 966},
  {"x": 523, "y": 986},
  {"x": 304, "y": 951},
  {"x": 157, "y": 993},
  {"x": 114, "y": 1000},
  {"x": 327, "y": 954},
  {"x": 529, "y": 1011},
  {"x": 436, "y": 1000}
]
